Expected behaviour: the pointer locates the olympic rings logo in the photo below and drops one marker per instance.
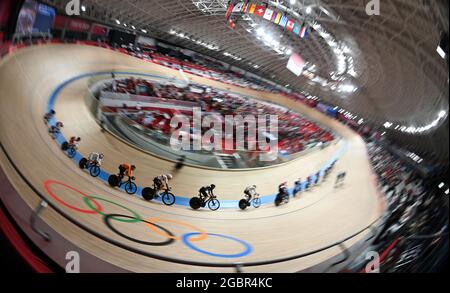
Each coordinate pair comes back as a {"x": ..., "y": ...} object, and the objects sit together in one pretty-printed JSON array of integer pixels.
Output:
[{"x": 195, "y": 235}]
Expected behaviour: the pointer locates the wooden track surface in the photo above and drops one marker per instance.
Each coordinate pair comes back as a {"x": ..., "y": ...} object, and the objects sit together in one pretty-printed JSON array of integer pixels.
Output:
[{"x": 319, "y": 218}]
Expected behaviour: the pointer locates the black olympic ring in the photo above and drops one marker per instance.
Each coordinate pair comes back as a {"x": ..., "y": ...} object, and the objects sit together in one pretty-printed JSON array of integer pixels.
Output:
[{"x": 107, "y": 219}]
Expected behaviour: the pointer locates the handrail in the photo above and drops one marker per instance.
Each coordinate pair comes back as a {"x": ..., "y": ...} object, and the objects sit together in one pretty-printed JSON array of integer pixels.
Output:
[{"x": 170, "y": 259}]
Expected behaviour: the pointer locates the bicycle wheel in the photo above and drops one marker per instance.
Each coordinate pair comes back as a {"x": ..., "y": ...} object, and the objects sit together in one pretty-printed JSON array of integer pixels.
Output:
[
  {"x": 83, "y": 163},
  {"x": 214, "y": 204},
  {"x": 130, "y": 187},
  {"x": 71, "y": 153},
  {"x": 148, "y": 193},
  {"x": 278, "y": 200},
  {"x": 243, "y": 204},
  {"x": 257, "y": 203},
  {"x": 65, "y": 146},
  {"x": 168, "y": 199},
  {"x": 113, "y": 180},
  {"x": 95, "y": 171},
  {"x": 195, "y": 203}
]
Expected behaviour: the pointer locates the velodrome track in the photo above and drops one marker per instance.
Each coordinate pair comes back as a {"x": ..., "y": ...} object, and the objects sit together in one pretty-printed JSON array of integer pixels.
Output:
[{"x": 31, "y": 161}]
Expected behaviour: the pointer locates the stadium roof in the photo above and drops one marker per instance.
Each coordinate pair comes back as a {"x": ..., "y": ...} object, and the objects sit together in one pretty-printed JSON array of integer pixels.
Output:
[{"x": 385, "y": 69}]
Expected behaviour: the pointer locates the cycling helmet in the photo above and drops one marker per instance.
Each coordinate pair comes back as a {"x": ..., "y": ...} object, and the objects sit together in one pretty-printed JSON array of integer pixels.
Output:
[
  {"x": 169, "y": 176},
  {"x": 133, "y": 167},
  {"x": 59, "y": 124},
  {"x": 78, "y": 139},
  {"x": 254, "y": 186},
  {"x": 101, "y": 156},
  {"x": 52, "y": 112},
  {"x": 213, "y": 186}
]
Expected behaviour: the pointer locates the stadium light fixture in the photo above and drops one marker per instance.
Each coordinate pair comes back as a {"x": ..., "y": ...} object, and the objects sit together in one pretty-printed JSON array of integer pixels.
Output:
[
  {"x": 388, "y": 125},
  {"x": 441, "y": 52},
  {"x": 260, "y": 31},
  {"x": 308, "y": 10},
  {"x": 83, "y": 8},
  {"x": 441, "y": 185}
]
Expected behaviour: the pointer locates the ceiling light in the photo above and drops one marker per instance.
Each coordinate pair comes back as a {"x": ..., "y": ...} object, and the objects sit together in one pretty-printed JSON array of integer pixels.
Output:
[
  {"x": 441, "y": 185},
  {"x": 268, "y": 38},
  {"x": 292, "y": 2},
  {"x": 260, "y": 31},
  {"x": 144, "y": 31},
  {"x": 308, "y": 10},
  {"x": 442, "y": 114},
  {"x": 117, "y": 21},
  {"x": 83, "y": 8},
  {"x": 441, "y": 52}
]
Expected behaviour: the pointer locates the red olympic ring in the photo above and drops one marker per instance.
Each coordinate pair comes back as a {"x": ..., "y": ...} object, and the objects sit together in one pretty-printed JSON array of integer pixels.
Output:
[{"x": 47, "y": 185}]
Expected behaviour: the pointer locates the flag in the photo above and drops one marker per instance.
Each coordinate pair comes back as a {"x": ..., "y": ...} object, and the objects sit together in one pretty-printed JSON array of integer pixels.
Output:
[
  {"x": 268, "y": 14},
  {"x": 246, "y": 7},
  {"x": 296, "y": 29},
  {"x": 260, "y": 10},
  {"x": 304, "y": 31},
  {"x": 278, "y": 17},
  {"x": 231, "y": 24},
  {"x": 290, "y": 25},
  {"x": 238, "y": 7},
  {"x": 252, "y": 8},
  {"x": 229, "y": 11},
  {"x": 283, "y": 21},
  {"x": 274, "y": 16}
]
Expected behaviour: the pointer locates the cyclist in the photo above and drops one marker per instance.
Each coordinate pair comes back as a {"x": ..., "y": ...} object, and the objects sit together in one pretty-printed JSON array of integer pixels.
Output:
[
  {"x": 309, "y": 182},
  {"x": 49, "y": 116},
  {"x": 298, "y": 186},
  {"x": 206, "y": 191},
  {"x": 340, "y": 178},
  {"x": 283, "y": 192},
  {"x": 95, "y": 159},
  {"x": 126, "y": 169},
  {"x": 161, "y": 182},
  {"x": 180, "y": 163},
  {"x": 74, "y": 142},
  {"x": 250, "y": 192},
  {"x": 283, "y": 188},
  {"x": 317, "y": 178},
  {"x": 55, "y": 129}
]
